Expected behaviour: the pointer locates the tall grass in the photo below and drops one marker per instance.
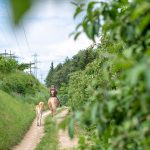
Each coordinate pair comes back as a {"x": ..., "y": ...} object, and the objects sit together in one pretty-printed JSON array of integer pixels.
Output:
[{"x": 15, "y": 119}]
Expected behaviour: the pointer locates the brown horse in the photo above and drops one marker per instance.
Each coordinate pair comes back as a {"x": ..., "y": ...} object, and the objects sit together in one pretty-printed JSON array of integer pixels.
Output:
[{"x": 53, "y": 103}]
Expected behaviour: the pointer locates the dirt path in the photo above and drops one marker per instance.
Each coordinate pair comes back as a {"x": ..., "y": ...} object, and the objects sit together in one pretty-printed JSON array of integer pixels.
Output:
[
  {"x": 35, "y": 133},
  {"x": 64, "y": 140},
  {"x": 33, "y": 136}
]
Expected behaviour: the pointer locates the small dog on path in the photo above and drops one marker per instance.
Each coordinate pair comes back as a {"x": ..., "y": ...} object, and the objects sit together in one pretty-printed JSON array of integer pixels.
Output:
[{"x": 39, "y": 110}]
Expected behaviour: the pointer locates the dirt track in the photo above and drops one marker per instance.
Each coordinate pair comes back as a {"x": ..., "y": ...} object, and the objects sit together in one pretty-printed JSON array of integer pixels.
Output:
[
  {"x": 33, "y": 136},
  {"x": 64, "y": 140},
  {"x": 35, "y": 133}
]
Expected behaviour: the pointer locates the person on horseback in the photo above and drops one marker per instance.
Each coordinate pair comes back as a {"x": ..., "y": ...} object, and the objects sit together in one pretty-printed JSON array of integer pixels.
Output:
[
  {"x": 53, "y": 101},
  {"x": 53, "y": 91}
]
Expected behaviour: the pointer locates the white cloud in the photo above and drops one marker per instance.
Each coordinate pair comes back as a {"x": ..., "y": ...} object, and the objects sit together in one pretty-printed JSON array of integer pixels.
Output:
[{"x": 47, "y": 29}]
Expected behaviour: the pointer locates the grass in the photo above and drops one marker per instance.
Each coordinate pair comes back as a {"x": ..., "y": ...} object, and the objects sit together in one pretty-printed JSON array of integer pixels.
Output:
[
  {"x": 15, "y": 119},
  {"x": 50, "y": 139}
]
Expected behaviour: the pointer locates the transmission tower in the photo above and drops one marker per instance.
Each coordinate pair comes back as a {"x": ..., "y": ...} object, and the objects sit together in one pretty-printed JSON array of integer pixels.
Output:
[{"x": 35, "y": 64}]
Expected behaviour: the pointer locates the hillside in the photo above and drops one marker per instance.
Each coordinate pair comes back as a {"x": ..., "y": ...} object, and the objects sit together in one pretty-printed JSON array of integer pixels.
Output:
[
  {"x": 19, "y": 92},
  {"x": 16, "y": 117}
]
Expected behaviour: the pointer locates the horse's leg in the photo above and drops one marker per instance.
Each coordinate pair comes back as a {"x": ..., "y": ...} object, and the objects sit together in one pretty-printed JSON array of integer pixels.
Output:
[{"x": 50, "y": 108}]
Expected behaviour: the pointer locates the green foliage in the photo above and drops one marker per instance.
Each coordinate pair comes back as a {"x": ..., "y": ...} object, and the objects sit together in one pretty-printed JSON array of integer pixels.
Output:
[
  {"x": 23, "y": 66},
  {"x": 19, "y": 8},
  {"x": 110, "y": 98},
  {"x": 20, "y": 82},
  {"x": 63, "y": 94},
  {"x": 7, "y": 65},
  {"x": 60, "y": 74},
  {"x": 15, "y": 119},
  {"x": 14, "y": 81}
]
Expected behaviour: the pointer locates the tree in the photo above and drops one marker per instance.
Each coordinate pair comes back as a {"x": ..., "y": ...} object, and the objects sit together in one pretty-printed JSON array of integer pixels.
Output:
[{"x": 52, "y": 67}]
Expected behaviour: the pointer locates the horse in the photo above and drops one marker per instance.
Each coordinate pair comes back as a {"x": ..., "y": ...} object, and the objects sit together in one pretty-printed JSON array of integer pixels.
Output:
[{"x": 53, "y": 102}]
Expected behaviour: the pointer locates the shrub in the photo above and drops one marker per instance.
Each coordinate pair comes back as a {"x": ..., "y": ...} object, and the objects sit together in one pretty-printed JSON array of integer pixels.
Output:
[{"x": 20, "y": 82}]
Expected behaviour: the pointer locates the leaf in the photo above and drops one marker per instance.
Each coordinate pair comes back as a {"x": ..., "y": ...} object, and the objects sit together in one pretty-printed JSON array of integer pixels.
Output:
[
  {"x": 90, "y": 6},
  {"x": 72, "y": 33},
  {"x": 79, "y": 9},
  {"x": 74, "y": 3},
  {"x": 19, "y": 8},
  {"x": 140, "y": 9},
  {"x": 89, "y": 29},
  {"x": 93, "y": 113},
  {"x": 77, "y": 35},
  {"x": 147, "y": 76},
  {"x": 77, "y": 115},
  {"x": 145, "y": 21},
  {"x": 78, "y": 26},
  {"x": 71, "y": 128},
  {"x": 111, "y": 105},
  {"x": 134, "y": 73},
  {"x": 82, "y": 140}
]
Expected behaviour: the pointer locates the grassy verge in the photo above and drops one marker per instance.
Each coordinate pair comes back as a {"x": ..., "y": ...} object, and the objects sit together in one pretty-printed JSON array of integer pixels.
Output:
[
  {"x": 50, "y": 139},
  {"x": 15, "y": 119}
]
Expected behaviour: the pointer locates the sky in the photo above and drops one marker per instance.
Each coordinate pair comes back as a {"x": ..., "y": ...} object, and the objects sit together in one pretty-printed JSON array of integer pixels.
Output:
[{"x": 45, "y": 31}]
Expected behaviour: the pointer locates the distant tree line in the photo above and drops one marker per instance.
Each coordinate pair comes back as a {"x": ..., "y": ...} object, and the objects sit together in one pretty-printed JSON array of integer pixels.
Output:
[{"x": 60, "y": 74}]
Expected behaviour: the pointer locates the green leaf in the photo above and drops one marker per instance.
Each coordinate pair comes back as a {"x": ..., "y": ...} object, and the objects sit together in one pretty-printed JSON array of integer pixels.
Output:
[
  {"x": 77, "y": 35},
  {"x": 134, "y": 73},
  {"x": 71, "y": 128},
  {"x": 79, "y": 9},
  {"x": 94, "y": 112},
  {"x": 78, "y": 26},
  {"x": 89, "y": 29},
  {"x": 19, "y": 8},
  {"x": 147, "y": 76},
  {"x": 145, "y": 21},
  {"x": 74, "y": 3},
  {"x": 140, "y": 9},
  {"x": 111, "y": 105},
  {"x": 91, "y": 6}
]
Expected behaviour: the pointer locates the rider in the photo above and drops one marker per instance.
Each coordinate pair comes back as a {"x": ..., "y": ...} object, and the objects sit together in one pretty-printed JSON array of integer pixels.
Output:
[{"x": 53, "y": 91}]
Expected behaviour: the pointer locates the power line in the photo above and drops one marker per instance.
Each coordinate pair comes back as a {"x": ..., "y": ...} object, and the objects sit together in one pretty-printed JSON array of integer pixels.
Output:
[
  {"x": 25, "y": 34},
  {"x": 17, "y": 43}
]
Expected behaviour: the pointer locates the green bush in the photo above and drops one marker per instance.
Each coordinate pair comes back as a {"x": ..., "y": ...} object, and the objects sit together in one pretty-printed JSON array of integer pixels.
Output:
[
  {"x": 7, "y": 65},
  {"x": 63, "y": 94},
  {"x": 111, "y": 96},
  {"x": 20, "y": 82}
]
